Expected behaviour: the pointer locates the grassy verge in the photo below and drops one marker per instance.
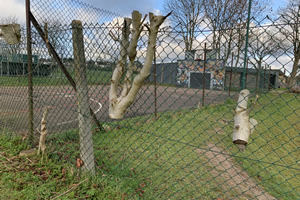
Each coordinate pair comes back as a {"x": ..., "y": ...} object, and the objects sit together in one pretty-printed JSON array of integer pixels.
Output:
[
  {"x": 162, "y": 154},
  {"x": 158, "y": 159}
]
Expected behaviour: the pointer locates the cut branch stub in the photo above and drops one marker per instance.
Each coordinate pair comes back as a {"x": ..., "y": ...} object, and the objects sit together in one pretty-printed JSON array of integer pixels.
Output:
[
  {"x": 119, "y": 104},
  {"x": 42, "y": 142},
  {"x": 243, "y": 126}
]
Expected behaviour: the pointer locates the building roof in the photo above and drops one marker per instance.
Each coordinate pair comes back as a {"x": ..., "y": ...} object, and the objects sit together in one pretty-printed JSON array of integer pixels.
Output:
[
  {"x": 168, "y": 65},
  {"x": 251, "y": 70}
]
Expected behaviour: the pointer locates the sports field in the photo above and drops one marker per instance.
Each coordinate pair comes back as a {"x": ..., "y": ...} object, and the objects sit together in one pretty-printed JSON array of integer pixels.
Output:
[{"x": 61, "y": 101}]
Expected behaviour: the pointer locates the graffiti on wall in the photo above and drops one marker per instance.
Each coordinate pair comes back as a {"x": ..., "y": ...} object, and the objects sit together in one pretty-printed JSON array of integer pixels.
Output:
[{"x": 215, "y": 67}]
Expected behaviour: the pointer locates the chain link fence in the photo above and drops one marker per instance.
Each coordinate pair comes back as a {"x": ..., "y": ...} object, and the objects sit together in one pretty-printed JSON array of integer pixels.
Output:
[{"x": 175, "y": 140}]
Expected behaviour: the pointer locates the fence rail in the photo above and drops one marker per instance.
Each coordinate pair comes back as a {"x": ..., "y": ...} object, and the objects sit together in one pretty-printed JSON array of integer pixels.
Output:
[{"x": 175, "y": 141}]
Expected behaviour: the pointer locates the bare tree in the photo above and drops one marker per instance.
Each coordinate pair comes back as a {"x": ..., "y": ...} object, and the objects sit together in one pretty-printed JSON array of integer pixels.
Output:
[
  {"x": 227, "y": 18},
  {"x": 290, "y": 16},
  {"x": 186, "y": 17},
  {"x": 118, "y": 103},
  {"x": 220, "y": 17},
  {"x": 9, "y": 19},
  {"x": 57, "y": 34},
  {"x": 263, "y": 43},
  {"x": 239, "y": 41}
]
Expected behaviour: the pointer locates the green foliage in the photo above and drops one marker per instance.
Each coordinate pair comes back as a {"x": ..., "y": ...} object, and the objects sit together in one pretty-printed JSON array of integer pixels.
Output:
[{"x": 11, "y": 143}]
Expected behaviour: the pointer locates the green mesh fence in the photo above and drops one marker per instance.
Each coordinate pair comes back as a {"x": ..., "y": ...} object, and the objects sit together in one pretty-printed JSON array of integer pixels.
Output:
[{"x": 175, "y": 140}]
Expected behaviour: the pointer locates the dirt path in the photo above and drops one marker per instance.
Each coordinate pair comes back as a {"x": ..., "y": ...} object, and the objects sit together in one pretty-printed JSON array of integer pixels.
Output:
[{"x": 235, "y": 182}]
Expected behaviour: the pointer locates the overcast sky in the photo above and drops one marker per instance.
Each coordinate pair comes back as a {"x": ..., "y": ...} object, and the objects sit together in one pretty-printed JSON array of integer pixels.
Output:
[{"x": 123, "y": 7}]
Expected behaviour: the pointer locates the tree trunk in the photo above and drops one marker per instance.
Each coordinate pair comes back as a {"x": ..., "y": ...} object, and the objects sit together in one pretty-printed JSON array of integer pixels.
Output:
[
  {"x": 118, "y": 105},
  {"x": 292, "y": 78},
  {"x": 259, "y": 84}
]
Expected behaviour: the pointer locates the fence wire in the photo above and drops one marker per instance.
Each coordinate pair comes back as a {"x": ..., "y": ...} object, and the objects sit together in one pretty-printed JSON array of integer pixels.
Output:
[{"x": 175, "y": 140}]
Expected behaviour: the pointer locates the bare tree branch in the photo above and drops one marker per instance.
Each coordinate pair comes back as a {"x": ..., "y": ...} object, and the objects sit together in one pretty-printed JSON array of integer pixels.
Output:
[
  {"x": 290, "y": 16},
  {"x": 186, "y": 18}
]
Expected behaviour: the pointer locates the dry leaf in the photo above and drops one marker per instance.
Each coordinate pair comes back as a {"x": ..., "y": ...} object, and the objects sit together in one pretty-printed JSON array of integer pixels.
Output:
[
  {"x": 123, "y": 196},
  {"x": 79, "y": 163},
  {"x": 63, "y": 171},
  {"x": 142, "y": 184}
]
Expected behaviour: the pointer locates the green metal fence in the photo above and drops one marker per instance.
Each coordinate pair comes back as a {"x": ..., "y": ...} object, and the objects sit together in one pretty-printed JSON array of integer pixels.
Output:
[{"x": 175, "y": 140}]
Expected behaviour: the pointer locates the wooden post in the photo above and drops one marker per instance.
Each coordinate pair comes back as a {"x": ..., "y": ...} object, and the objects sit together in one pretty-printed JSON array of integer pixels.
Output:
[
  {"x": 85, "y": 125},
  {"x": 203, "y": 86},
  {"x": 170, "y": 76},
  {"x": 269, "y": 81},
  {"x": 155, "y": 85},
  {"x": 284, "y": 78},
  {"x": 256, "y": 81},
  {"x": 265, "y": 77},
  {"x": 162, "y": 75},
  {"x": 230, "y": 79}
]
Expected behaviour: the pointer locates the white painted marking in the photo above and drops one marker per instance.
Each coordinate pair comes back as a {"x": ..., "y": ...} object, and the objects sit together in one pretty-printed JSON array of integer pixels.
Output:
[
  {"x": 100, "y": 106},
  {"x": 63, "y": 123}
]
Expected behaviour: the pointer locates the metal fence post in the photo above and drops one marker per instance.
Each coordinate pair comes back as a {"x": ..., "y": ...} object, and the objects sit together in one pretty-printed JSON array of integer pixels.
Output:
[
  {"x": 155, "y": 85},
  {"x": 246, "y": 75},
  {"x": 246, "y": 48},
  {"x": 85, "y": 125}
]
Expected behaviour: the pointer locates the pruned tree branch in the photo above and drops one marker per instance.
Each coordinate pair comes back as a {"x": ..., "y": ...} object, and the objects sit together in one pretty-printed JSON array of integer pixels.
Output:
[
  {"x": 243, "y": 126},
  {"x": 136, "y": 31},
  {"x": 120, "y": 68},
  {"x": 119, "y": 104}
]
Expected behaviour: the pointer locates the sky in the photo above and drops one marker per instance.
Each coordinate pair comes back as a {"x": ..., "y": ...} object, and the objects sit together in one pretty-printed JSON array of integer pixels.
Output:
[{"x": 123, "y": 7}]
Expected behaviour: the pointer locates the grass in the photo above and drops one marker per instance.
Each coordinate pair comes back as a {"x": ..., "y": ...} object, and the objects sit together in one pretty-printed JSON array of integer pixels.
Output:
[
  {"x": 158, "y": 159},
  {"x": 31, "y": 178},
  {"x": 94, "y": 77},
  {"x": 273, "y": 156},
  {"x": 163, "y": 151}
]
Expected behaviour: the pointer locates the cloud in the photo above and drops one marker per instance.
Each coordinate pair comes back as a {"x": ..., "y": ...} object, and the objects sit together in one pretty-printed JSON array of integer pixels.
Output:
[
  {"x": 126, "y": 7},
  {"x": 13, "y": 8},
  {"x": 120, "y": 7}
]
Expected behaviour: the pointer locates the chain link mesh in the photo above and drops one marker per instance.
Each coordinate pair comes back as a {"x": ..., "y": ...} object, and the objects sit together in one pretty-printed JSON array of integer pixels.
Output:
[{"x": 175, "y": 141}]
